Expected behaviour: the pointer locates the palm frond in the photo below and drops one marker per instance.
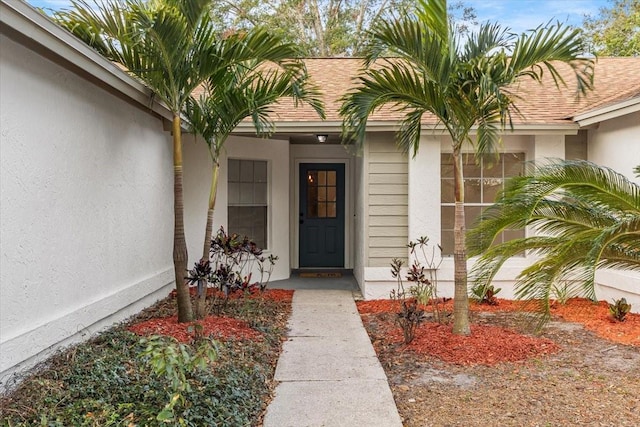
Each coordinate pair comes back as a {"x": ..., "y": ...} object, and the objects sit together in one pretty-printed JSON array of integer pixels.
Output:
[
  {"x": 534, "y": 51},
  {"x": 589, "y": 217},
  {"x": 489, "y": 37},
  {"x": 246, "y": 91}
]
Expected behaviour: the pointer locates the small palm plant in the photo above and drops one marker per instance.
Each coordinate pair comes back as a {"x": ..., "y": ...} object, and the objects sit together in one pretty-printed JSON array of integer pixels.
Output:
[{"x": 587, "y": 217}]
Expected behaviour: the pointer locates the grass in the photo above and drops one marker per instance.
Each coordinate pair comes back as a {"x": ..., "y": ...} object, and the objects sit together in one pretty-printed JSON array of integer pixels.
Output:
[{"x": 105, "y": 381}]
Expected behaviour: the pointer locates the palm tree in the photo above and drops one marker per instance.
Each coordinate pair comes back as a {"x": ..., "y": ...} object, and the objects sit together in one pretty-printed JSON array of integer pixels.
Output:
[
  {"x": 465, "y": 83},
  {"x": 167, "y": 44},
  {"x": 246, "y": 90},
  {"x": 589, "y": 217}
]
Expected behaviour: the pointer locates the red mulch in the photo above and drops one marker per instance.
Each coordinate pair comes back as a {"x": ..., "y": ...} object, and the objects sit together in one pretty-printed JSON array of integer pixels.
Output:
[
  {"x": 489, "y": 345},
  {"x": 214, "y": 326},
  {"x": 223, "y": 328},
  {"x": 279, "y": 295},
  {"x": 595, "y": 317}
]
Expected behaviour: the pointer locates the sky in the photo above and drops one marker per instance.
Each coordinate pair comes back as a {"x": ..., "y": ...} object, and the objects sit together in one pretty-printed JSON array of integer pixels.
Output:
[{"x": 519, "y": 15}]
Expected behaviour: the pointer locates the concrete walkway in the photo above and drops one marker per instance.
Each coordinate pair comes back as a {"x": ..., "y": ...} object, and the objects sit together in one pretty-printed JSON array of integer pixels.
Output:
[{"x": 328, "y": 371}]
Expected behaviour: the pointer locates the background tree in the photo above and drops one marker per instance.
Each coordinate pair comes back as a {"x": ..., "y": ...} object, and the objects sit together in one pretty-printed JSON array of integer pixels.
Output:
[
  {"x": 615, "y": 31},
  {"x": 464, "y": 82},
  {"x": 322, "y": 28},
  {"x": 589, "y": 216},
  {"x": 246, "y": 90}
]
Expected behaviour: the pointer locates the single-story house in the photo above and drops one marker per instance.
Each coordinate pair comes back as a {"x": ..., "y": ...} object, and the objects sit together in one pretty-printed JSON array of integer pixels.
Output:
[
  {"x": 86, "y": 183},
  {"x": 324, "y": 206}
]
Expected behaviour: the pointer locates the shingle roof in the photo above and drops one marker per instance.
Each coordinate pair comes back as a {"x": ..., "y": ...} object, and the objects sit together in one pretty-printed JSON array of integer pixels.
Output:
[{"x": 616, "y": 80}]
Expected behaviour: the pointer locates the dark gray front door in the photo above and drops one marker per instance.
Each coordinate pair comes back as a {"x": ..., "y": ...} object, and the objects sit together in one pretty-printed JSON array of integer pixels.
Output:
[{"x": 322, "y": 214}]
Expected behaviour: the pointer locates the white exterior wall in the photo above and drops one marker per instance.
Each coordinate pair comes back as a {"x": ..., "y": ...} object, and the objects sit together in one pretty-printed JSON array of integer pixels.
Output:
[
  {"x": 196, "y": 175},
  {"x": 86, "y": 214},
  {"x": 197, "y": 182},
  {"x": 361, "y": 220},
  {"x": 616, "y": 143}
]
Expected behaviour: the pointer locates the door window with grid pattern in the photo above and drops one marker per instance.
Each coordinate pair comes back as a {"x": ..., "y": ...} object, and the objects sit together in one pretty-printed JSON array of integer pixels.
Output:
[{"x": 321, "y": 194}]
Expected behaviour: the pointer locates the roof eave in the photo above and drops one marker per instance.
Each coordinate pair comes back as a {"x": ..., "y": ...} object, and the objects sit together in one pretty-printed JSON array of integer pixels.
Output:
[
  {"x": 27, "y": 26},
  {"x": 317, "y": 126},
  {"x": 608, "y": 112}
]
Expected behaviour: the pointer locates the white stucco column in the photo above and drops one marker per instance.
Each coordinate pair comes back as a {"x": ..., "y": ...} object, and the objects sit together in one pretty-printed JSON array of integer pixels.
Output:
[
  {"x": 424, "y": 190},
  {"x": 549, "y": 146}
]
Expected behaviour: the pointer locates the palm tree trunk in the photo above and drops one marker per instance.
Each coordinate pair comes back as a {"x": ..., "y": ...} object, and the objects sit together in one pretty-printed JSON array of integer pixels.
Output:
[
  {"x": 201, "y": 303},
  {"x": 213, "y": 191},
  {"x": 180, "y": 256},
  {"x": 461, "y": 299}
]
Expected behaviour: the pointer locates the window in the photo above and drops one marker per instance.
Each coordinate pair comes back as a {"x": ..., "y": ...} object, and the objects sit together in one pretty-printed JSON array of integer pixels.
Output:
[
  {"x": 481, "y": 185},
  {"x": 321, "y": 194},
  {"x": 248, "y": 195}
]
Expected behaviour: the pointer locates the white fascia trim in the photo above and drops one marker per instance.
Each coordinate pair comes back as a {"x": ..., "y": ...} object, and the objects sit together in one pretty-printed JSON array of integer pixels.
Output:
[
  {"x": 609, "y": 112},
  {"x": 294, "y": 127},
  {"x": 49, "y": 37},
  {"x": 519, "y": 129},
  {"x": 393, "y": 126}
]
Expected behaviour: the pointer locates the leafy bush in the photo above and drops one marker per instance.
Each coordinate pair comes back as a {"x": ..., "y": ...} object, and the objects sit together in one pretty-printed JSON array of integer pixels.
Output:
[
  {"x": 409, "y": 318},
  {"x": 619, "y": 309},
  {"x": 176, "y": 363},
  {"x": 105, "y": 382},
  {"x": 229, "y": 270},
  {"x": 423, "y": 276},
  {"x": 485, "y": 294}
]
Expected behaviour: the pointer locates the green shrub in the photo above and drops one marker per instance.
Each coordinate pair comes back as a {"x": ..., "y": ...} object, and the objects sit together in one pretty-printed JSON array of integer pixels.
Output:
[
  {"x": 485, "y": 294},
  {"x": 105, "y": 382},
  {"x": 619, "y": 309}
]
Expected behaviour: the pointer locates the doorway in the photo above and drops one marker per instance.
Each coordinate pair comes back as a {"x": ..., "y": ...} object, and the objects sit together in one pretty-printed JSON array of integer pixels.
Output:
[{"x": 322, "y": 215}]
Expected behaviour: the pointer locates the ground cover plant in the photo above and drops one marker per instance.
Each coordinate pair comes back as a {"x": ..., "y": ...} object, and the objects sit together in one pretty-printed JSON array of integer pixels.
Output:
[
  {"x": 112, "y": 379},
  {"x": 581, "y": 369}
]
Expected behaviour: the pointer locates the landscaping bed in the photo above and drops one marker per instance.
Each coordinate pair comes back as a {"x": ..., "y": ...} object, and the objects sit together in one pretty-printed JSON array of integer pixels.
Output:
[
  {"x": 106, "y": 381},
  {"x": 582, "y": 369}
]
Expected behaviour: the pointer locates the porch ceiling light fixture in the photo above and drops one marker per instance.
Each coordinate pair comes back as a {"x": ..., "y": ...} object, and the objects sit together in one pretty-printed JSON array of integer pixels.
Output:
[{"x": 322, "y": 138}]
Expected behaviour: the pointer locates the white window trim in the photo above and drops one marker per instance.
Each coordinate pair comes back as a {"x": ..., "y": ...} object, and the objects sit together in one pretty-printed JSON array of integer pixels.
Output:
[{"x": 269, "y": 241}]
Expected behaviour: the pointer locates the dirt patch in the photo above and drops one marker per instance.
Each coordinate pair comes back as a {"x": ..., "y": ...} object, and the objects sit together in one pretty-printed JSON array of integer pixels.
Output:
[{"x": 590, "y": 380}]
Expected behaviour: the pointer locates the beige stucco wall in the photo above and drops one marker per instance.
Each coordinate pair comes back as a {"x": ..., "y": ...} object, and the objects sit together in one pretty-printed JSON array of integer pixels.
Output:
[{"x": 86, "y": 214}]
